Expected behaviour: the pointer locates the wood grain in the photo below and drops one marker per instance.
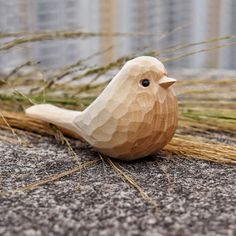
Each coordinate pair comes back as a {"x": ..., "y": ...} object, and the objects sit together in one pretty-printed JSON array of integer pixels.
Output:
[{"x": 128, "y": 120}]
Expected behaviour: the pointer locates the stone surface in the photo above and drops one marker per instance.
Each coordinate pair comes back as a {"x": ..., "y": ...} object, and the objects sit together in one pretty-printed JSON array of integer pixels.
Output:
[{"x": 193, "y": 197}]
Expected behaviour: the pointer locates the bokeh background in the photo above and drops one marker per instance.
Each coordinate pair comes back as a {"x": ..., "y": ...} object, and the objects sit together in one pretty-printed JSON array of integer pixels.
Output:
[
  {"x": 142, "y": 26},
  {"x": 81, "y": 45}
]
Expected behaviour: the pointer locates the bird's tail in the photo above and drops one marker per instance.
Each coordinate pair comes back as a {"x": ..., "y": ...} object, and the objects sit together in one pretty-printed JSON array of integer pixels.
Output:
[{"x": 55, "y": 115}]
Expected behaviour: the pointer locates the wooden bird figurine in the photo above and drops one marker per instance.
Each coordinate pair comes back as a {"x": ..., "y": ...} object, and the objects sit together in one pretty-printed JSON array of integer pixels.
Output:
[{"x": 135, "y": 115}]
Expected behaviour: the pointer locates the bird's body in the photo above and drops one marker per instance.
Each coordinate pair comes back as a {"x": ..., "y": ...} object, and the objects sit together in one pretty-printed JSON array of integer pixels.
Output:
[{"x": 135, "y": 116}]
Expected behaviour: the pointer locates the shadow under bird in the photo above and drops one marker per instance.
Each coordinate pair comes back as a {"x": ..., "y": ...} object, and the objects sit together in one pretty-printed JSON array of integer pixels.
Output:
[{"x": 135, "y": 116}]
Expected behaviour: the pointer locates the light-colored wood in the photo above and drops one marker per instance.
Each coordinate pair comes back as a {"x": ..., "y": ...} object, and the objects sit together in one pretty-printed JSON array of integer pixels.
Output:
[{"x": 127, "y": 121}]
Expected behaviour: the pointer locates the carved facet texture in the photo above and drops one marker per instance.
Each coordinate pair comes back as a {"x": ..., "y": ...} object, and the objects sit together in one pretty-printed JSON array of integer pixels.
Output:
[{"x": 130, "y": 119}]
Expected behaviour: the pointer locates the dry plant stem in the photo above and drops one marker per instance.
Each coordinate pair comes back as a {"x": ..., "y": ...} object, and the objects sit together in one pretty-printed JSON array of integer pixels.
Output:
[
  {"x": 59, "y": 35},
  {"x": 52, "y": 36},
  {"x": 127, "y": 178},
  {"x": 71, "y": 150},
  {"x": 103, "y": 69},
  {"x": 190, "y": 146},
  {"x": 9, "y": 140},
  {"x": 18, "y": 92},
  {"x": 163, "y": 168},
  {"x": 51, "y": 178},
  {"x": 198, "y": 51},
  {"x": 10, "y": 128},
  {"x": 50, "y": 81},
  {"x": 191, "y": 127},
  {"x": 75, "y": 34},
  {"x": 177, "y": 47},
  {"x": 104, "y": 166},
  {"x": 18, "y": 68},
  {"x": 26, "y": 37},
  {"x": 68, "y": 70},
  {"x": 180, "y": 145},
  {"x": 62, "y": 139},
  {"x": 19, "y": 120}
]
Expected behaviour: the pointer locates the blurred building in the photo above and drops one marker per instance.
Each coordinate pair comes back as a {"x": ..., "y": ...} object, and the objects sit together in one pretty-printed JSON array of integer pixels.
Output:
[
  {"x": 46, "y": 16},
  {"x": 228, "y": 27},
  {"x": 53, "y": 15},
  {"x": 12, "y": 19},
  {"x": 167, "y": 24}
]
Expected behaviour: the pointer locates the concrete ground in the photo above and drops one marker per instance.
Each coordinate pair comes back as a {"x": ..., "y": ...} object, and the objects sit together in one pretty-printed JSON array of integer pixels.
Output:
[{"x": 192, "y": 197}]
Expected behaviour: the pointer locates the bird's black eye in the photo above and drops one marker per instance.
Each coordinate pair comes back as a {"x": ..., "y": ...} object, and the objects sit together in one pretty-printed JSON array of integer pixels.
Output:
[{"x": 145, "y": 82}]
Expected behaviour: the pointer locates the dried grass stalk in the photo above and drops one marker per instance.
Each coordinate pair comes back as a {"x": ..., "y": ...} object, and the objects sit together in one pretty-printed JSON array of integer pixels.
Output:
[
  {"x": 200, "y": 148},
  {"x": 129, "y": 179},
  {"x": 182, "y": 145},
  {"x": 21, "y": 121},
  {"x": 51, "y": 178}
]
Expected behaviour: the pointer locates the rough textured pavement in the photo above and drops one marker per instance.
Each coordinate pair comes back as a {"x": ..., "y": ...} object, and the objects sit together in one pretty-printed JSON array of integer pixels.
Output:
[{"x": 193, "y": 197}]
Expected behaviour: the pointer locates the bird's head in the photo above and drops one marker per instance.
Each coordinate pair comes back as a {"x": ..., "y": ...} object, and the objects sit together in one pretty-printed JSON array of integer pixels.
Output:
[
  {"x": 141, "y": 83},
  {"x": 148, "y": 75}
]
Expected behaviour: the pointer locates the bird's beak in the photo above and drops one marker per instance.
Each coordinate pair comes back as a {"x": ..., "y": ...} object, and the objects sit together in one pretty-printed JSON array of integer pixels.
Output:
[{"x": 166, "y": 82}]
